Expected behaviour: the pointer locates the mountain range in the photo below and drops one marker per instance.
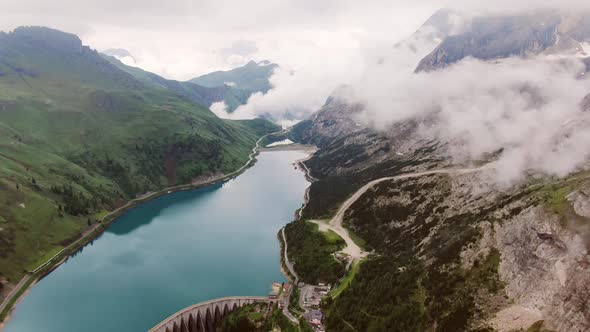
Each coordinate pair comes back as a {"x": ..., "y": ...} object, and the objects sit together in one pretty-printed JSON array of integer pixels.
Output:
[
  {"x": 444, "y": 253},
  {"x": 81, "y": 134},
  {"x": 496, "y": 37},
  {"x": 233, "y": 87},
  {"x": 252, "y": 77}
]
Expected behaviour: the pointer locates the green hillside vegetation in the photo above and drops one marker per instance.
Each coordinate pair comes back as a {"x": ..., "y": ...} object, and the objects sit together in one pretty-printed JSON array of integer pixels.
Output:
[
  {"x": 203, "y": 95},
  {"x": 248, "y": 79},
  {"x": 251, "y": 77},
  {"x": 311, "y": 252},
  {"x": 79, "y": 136},
  {"x": 255, "y": 318}
]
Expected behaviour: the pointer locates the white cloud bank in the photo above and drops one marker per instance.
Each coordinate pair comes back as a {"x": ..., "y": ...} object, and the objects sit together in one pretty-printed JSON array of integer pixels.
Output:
[
  {"x": 529, "y": 109},
  {"x": 298, "y": 93}
]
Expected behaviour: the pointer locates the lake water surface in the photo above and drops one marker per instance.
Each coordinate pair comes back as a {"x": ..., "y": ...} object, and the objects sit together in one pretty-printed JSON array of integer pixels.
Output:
[{"x": 172, "y": 252}]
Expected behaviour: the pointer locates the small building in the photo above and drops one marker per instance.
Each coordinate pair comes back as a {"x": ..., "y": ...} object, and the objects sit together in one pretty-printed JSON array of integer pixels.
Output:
[
  {"x": 286, "y": 287},
  {"x": 275, "y": 290}
]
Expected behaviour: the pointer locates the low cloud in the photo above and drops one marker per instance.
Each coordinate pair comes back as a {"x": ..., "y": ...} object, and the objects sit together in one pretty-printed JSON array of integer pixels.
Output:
[
  {"x": 294, "y": 95},
  {"x": 530, "y": 110},
  {"x": 221, "y": 110},
  {"x": 297, "y": 91}
]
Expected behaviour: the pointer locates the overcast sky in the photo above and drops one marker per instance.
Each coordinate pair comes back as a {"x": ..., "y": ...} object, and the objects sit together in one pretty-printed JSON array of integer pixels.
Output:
[
  {"x": 322, "y": 44},
  {"x": 182, "y": 38}
]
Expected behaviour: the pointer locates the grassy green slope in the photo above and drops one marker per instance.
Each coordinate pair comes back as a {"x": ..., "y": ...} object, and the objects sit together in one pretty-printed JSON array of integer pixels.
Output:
[
  {"x": 311, "y": 252},
  {"x": 79, "y": 136},
  {"x": 251, "y": 77},
  {"x": 202, "y": 95}
]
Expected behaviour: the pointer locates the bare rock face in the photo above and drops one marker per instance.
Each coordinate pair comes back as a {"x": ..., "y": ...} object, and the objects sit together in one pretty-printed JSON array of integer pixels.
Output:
[
  {"x": 544, "y": 262},
  {"x": 546, "y": 268},
  {"x": 349, "y": 146},
  {"x": 586, "y": 103},
  {"x": 580, "y": 199},
  {"x": 496, "y": 37}
]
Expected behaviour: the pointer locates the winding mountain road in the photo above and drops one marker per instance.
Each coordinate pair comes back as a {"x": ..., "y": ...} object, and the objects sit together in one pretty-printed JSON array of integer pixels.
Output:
[
  {"x": 288, "y": 263},
  {"x": 335, "y": 224}
]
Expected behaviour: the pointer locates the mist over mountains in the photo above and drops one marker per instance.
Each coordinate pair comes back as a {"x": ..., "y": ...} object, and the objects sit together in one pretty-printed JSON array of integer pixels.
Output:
[
  {"x": 455, "y": 158},
  {"x": 507, "y": 84}
]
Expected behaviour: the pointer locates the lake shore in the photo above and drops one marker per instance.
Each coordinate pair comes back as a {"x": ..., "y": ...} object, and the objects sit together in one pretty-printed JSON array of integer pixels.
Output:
[
  {"x": 292, "y": 147},
  {"x": 29, "y": 280}
]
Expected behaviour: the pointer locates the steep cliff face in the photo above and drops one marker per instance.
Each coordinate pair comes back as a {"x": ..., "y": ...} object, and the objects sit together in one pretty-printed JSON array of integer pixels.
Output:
[
  {"x": 546, "y": 268},
  {"x": 454, "y": 251},
  {"x": 465, "y": 254},
  {"x": 504, "y": 36},
  {"x": 471, "y": 256},
  {"x": 545, "y": 263}
]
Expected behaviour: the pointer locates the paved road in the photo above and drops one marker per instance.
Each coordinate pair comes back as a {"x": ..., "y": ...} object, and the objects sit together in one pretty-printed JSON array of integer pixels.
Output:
[
  {"x": 13, "y": 291},
  {"x": 251, "y": 157},
  {"x": 286, "y": 258},
  {"x": 306, "y": 169},
  {"x": 305, "y": 293},
  {"x": 352, "y": 249},
  {"x": 87, "y": 231},
  {"x": 289, "y": 265}
]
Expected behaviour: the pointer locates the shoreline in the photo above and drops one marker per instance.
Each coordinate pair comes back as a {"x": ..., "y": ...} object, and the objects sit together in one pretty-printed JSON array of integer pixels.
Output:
[
  {"x": 301, "y": 164},
  {"x": 286, "y": 266},
  {"x": 32, "y": 277},
  {"x": 292, "y": 147}
]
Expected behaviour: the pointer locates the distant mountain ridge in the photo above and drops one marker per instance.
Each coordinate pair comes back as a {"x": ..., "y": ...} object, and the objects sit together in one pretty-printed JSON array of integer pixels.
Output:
[
  {"x": 252, "y": 77},
  {"x": 445, "y": 257},
  {"x": 494, "y": 37},
  {"x": 202, "y": 95},
  {"x": 233, "y": 87}
]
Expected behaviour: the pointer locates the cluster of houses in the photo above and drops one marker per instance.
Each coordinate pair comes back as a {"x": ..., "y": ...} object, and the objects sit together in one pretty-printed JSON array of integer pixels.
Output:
[{"x": 312, "y": 297}]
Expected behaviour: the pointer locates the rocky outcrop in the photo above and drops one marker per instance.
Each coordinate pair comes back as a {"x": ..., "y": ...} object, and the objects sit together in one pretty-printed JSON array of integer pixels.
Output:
[
  {"x": 352, "y": 154},
  {"x": 499, "y": 37},
  {"x": 546, "y": 268},
  {"x": 442, "y": 219},
  {"x": 461, "y": 253}
]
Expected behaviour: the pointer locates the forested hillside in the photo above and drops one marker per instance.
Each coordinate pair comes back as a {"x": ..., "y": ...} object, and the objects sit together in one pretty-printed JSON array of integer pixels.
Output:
[{"x": 79, "y": 136}]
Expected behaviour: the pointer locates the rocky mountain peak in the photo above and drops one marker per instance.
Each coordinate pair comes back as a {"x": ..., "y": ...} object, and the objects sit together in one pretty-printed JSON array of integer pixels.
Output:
[
  {"x": 445, "y": 22},
  {"x": 47, "y": 37},
  {"x": 502, "y": 36}
]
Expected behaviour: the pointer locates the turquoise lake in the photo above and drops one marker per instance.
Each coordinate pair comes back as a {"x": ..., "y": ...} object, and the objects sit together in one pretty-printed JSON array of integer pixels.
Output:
[{"x": 172, "y": 252}]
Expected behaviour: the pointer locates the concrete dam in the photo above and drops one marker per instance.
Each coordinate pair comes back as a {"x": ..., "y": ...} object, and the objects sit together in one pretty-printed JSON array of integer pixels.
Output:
[{"x": 205, "y": 316}]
